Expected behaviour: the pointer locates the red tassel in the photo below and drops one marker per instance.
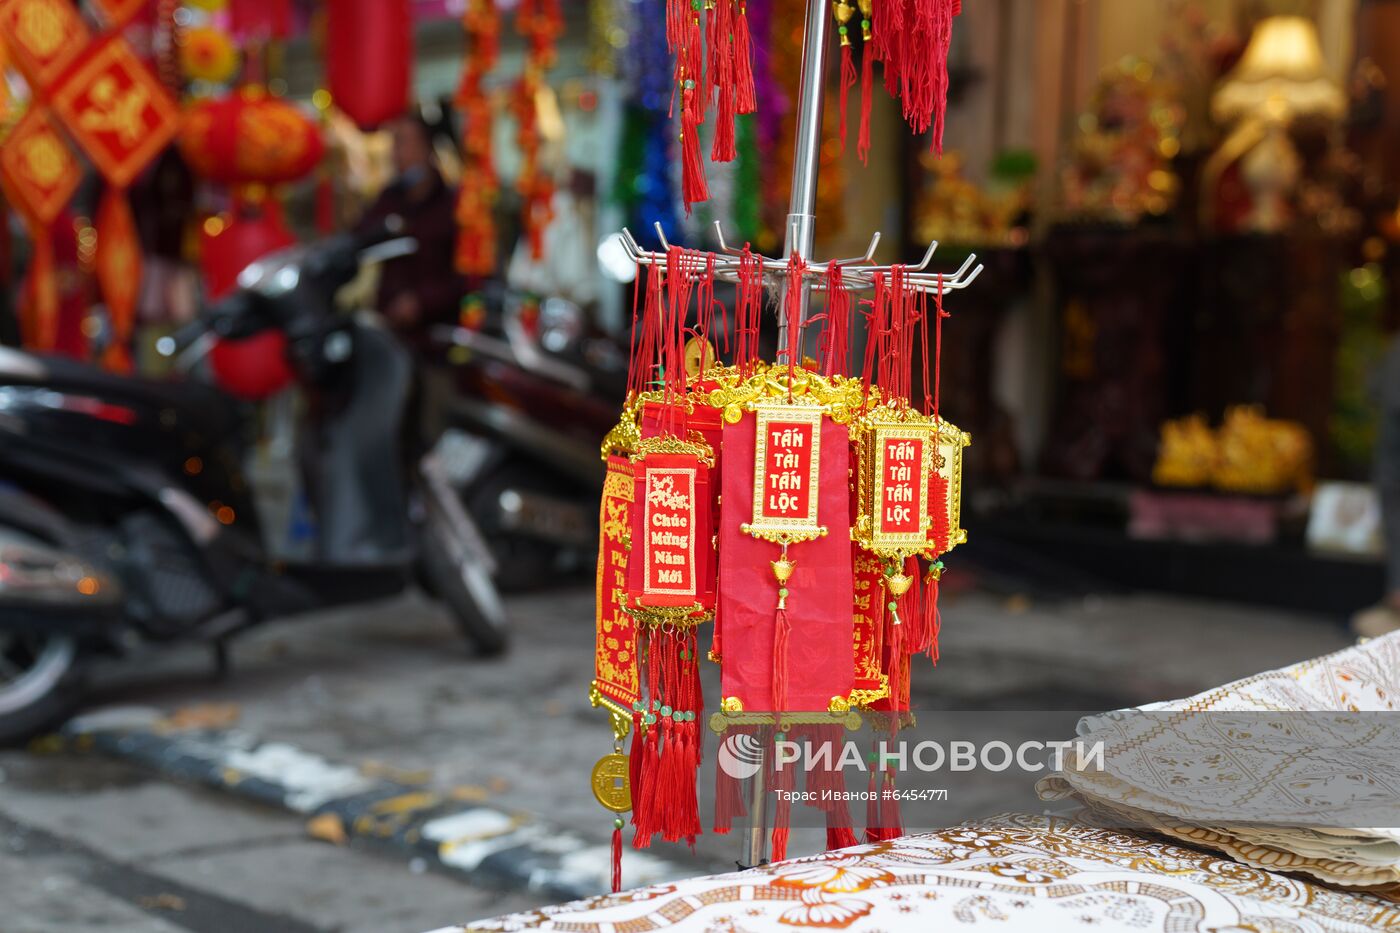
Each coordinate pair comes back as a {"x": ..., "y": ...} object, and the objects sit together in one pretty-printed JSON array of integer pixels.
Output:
[
  {"x": 872, "y": 807},
  {"x": 780, "y": 833},
  {"x": 911, "y": 611},
  {"x": 932, "y": 621},
  {"x": 729, "y": 801},
  {"x": 746, "y": 95},
  {"x": 677, "y": 13},
  {"x": 694, "y": 188},
  {"x": 848, "y": 80},
  {"x": 938, "y": 506},
  {"x": 725, "y": 147},
  {"x": 782, "y": 629},
  {"x": 644, "y": 801},
  {"x": 840, "y": 837},
  {"x": 896, "y": 658},
  {"x": 780, "y": 779},
  {"x": 890, "y": 827},
  {"x": 867, "y": 92},
  {"x": 617, "y": 859}
]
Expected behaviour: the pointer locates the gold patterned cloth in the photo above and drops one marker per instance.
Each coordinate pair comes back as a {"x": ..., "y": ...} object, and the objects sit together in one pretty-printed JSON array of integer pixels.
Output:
[
  {"x": 1021, "y": 872},
  {"x": 1016, "y": 872},
  {"x": 1296, "y": 769}
]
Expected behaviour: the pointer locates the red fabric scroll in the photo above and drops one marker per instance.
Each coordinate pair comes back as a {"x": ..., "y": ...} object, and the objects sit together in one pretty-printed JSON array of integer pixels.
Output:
[
  {"x": 672, "y": 561},
  {"x": 819, "y": 604},
  {"x": 615, "y": 660}
]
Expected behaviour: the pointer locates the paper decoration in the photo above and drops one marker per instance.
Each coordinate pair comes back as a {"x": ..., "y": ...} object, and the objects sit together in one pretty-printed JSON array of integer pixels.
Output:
[
  {"x": 38, "y": 168},
  {"x": 116, "y": 110},
  {"x": 45, "y": 37}
]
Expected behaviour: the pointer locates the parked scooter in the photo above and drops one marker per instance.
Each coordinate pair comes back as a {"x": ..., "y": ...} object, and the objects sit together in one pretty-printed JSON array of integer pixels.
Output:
[
  {"x": 126, "y": 518},
  {"x": 536, "y": 393}
]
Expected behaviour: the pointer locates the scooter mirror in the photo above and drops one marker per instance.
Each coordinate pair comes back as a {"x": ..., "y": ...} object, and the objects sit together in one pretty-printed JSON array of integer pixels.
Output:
[{"x": 389, "y": 249}]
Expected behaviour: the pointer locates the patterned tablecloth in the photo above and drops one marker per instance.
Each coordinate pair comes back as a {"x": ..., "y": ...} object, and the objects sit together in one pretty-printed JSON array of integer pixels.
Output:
[
  {"x": 1009, "y": 873},
  {"x": 1021, "y": 872}
]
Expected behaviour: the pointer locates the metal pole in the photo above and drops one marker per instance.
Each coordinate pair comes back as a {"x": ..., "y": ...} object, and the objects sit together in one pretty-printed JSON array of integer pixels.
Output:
[
  {"x": 801, "y": 226},
  {"x": 802, "y": 204},
  {"x": 756, "y": 846}
]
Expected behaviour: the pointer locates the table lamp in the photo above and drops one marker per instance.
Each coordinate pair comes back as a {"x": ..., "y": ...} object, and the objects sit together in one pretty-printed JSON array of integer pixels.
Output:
[{"x": 1280, "y": 77}]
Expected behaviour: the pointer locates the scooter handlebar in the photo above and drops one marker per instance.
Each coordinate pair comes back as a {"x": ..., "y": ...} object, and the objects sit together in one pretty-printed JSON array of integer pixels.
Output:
[{"x": 226, "y": 319}]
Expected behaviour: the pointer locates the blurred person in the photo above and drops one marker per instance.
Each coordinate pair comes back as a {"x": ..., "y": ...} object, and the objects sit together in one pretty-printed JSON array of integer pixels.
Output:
[
  {"x": 1385, "y": 617},
  {"x": 423, "y": 289}
]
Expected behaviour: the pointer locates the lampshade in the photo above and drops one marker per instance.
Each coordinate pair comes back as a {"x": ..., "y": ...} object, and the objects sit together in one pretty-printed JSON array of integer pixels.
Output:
[{"x": 1281, "y": 74}]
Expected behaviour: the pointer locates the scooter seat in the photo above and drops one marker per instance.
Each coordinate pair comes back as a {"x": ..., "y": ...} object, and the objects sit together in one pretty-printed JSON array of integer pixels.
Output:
[{"x": 193, "y": 401}]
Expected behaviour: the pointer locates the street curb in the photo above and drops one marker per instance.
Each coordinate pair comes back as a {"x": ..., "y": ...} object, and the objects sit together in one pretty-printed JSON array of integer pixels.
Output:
[{"x": 486, "y": 845}]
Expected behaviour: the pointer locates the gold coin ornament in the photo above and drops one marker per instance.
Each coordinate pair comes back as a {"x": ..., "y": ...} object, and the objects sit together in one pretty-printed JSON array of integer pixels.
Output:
[
  {"x": 699, "y": 356},
  {"x": 611, "y": 784}
]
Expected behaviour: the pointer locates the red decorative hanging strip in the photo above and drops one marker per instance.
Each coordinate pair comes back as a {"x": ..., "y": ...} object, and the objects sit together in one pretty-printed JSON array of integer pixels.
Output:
[
  {"x": 479, "y": 189},
  {"x": 540, "y": 23}
]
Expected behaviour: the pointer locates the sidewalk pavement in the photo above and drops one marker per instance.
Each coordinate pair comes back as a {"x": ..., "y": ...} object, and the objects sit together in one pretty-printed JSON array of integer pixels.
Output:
[{"x": 390, "y": 692}]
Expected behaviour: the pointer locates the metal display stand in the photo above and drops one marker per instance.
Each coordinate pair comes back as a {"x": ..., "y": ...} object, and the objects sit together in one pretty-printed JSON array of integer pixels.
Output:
[{"x": 858, "y": 273}]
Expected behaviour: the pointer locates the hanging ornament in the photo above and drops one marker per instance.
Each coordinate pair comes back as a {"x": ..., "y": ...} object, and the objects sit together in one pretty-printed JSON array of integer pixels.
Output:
[
  {"x": 44, "y": 38},
  {"x": 269, "y": 19},
  {"x": 208, "y": 54},
  {"x": 479, "y": 187},
  {"x": 248, "y": 136},
  {"x": 540, "y": 23},
  {"x": 115, "y": 109},
  {"x": 39, "y": 173},
  {"x": 369, "y": 58},
  {"x": 118, "y": 267}
]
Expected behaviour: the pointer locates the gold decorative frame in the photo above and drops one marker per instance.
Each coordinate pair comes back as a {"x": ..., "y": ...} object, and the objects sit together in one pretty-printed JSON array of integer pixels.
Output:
[{"x": 791, "y": 530}]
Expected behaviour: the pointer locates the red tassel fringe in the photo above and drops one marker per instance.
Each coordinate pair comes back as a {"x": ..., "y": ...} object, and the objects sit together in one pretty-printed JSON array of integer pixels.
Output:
[
  {"x": 848, "y": 80},
  {"x": 617, "y": 859},
  {"x": 782, "y": 629},
  {"x": 746, "y": 96},
  {"x": 867, "y": 92}
]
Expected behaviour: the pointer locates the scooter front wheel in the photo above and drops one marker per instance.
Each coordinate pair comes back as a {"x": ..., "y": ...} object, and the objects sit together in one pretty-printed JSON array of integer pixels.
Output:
[
  {"x": 40, "y": 682},
  {"x": 465, "y": 586}
]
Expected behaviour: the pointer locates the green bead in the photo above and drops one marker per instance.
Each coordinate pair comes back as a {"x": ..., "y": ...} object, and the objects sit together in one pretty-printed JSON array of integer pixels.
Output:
[
  {"x": 678, "y": 716},
  {"x": 783, "y": 591},
  {"x": 655, "y": 704},
  {"x": 689, "y": 84},
  {"x": 889, "y": 571},
  {"x": 666, "y": 710},
  {"x": 841, "y": 30},
  {"x": 892, "y": 605},
  {"x": 651, "y": 718},
  {"x": 619, "y": 823},
  {"x": 639, "y": 706},
  {"x": 779, "y": 736},
  {"x": 865, "y": 24},
  {"x": 690, "y": 715},
  {"x": 695, "y": 5}
]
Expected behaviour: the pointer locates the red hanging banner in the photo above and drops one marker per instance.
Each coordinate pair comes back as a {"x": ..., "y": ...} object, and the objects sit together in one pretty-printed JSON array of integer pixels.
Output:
[
  {"x": 785, "y": 495},
  {"x": 670, "y": 562},
  {"x": 38, "y": 169},
  {"x": 615, "y": 653},
  {"x": 118, "y": 266},
  {"x": 44, "y": 38},
  {"x": 115, "y": 108}
]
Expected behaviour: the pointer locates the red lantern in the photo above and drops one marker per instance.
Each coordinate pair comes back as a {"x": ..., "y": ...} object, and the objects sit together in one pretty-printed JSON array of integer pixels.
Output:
[
  {"x": 256, "y": 367},
  {"x": 369, "y": 53},
  {"x": 250, "y": 137},
  {"x": 261, "y": 19}
]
